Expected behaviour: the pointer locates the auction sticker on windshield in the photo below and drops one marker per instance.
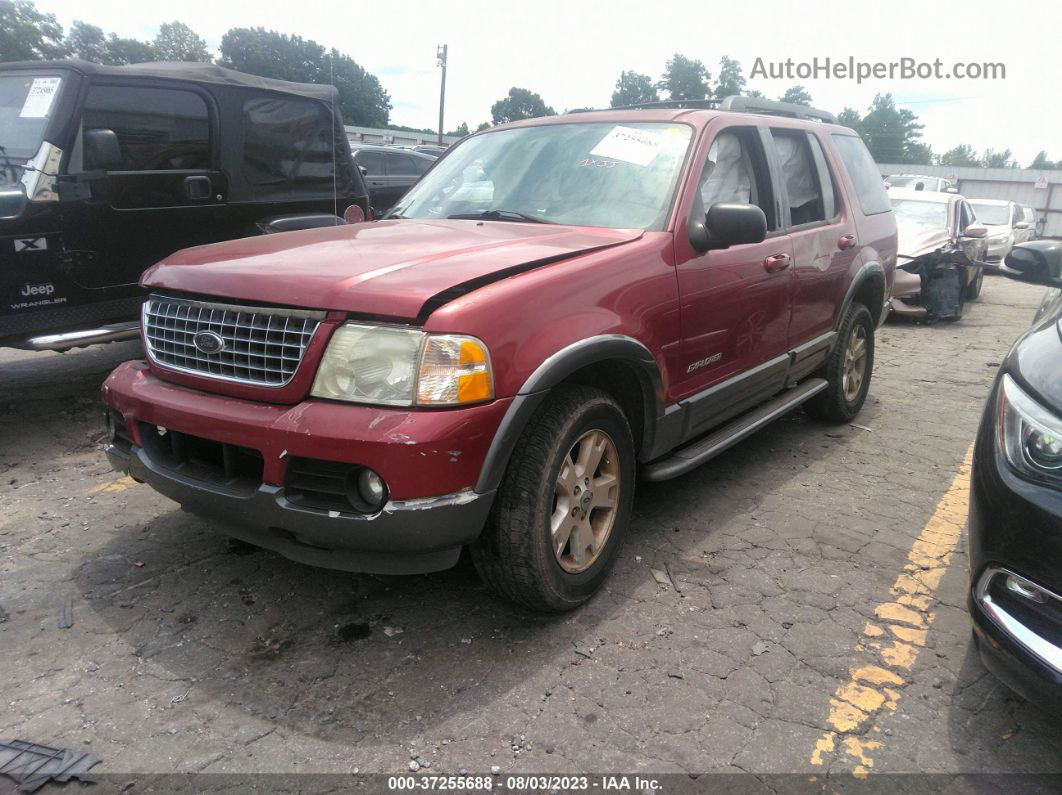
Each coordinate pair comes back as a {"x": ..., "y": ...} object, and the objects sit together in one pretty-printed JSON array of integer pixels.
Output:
[
  {"x": 39, "y": 99},
  {"x": 637, "y": 147}
]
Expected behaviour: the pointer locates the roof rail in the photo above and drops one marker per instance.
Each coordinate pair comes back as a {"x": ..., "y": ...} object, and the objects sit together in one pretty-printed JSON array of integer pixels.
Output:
[
  {"x": 734, "y": 104},
  {"x": 744, "y": 104}
]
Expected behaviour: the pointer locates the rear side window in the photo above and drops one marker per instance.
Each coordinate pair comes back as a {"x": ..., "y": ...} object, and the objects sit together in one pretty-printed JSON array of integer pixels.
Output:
[
  {"x": 801, "y": 177},
  {"x": 144, "y": 129},
  {"x": 287, "y": 142},
  {"x": 869, "y": 187},
  {"x": 736, "y": 171}
]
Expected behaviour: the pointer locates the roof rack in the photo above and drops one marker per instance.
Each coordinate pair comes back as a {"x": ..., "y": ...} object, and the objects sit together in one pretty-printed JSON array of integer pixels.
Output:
[{"x": 735, "y": 104}]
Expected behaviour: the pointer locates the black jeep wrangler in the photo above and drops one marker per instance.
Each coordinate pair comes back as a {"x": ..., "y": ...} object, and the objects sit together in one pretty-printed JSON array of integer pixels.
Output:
[{"x": 105, "y": 170}]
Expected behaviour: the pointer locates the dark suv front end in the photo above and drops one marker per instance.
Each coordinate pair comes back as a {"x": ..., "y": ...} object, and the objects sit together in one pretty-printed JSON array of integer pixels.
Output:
[{"x": 1015, "y": 523}]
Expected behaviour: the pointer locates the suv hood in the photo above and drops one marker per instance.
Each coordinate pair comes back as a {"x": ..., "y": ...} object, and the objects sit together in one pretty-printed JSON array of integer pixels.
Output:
[{"x": 388, "y": 268}]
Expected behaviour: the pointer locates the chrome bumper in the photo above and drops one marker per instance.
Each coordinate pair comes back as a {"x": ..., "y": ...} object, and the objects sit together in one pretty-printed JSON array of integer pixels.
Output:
[{"x": 114, "y": 332}]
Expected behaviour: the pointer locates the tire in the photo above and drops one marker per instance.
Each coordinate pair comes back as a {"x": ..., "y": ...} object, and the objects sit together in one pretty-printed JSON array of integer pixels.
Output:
[
  {"x": 515, "y": 554},
  {"x": 835, "y": 403},
  {"x": 973, "y": 289}
]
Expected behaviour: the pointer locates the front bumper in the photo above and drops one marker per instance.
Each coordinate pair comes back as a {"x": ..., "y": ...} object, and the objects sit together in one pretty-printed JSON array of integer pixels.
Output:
[
  {"x": 430, "y": 461},
  {"x": 1015, "y": 528},
  {"x": 997, "y": 251}
]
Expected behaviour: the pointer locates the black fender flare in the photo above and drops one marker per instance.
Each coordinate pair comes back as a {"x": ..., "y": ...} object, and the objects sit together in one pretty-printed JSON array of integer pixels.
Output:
[
  {"x": 553, "y": 371},
  {"x": 868, "y": 271}
]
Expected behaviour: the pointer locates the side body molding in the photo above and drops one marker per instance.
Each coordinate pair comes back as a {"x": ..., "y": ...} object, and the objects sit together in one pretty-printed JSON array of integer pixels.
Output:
[{"x": 552, "y": 372}]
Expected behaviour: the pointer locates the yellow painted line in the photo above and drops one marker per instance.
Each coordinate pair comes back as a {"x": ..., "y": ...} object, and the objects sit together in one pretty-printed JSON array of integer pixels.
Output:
[
  {"x": 888, "y": 647},
  {"x": 115, "y": 485}
]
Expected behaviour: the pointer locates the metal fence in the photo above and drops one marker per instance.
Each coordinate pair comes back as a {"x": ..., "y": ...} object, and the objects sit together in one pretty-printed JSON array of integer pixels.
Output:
[{"x": 1041, "y": 190}]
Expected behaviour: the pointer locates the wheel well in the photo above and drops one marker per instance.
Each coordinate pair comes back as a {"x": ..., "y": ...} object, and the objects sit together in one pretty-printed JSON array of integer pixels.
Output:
[
  {"x": 630, "y": 388},
  {"x": 871, "y": 294}
]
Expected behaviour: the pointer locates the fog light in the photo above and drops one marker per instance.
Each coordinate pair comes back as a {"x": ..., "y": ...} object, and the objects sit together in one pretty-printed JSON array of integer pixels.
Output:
[
  {"x": 371, "y": 488},
  {"x": 1026, "y": 589}
]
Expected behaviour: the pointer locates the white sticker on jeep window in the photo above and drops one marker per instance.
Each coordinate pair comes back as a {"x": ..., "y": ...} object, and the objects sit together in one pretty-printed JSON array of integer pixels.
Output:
[
  {"x": 630, "y": 145},
  {"x": 39, "y": 99}
]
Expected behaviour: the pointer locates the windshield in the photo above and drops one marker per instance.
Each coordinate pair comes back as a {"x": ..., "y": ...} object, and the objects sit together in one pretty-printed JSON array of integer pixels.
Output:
[
  {"x": 586, "y": 174},
  {"x": 920, "y": 216},
  {"x": 992, "y": 214},
  {"x": 26, "y": 100}
]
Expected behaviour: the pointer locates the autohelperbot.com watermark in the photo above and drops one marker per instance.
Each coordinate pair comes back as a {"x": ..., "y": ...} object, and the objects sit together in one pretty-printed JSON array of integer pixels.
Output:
[{"x": 851, "y": 68}]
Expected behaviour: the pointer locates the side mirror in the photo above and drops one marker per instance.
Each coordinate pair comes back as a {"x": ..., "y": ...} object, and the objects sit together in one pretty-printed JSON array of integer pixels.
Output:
[
  {"x": 364, "y": 171},
  {"x": 1021, "y": 225},
  {"x": 975, "y": 230},
  {"x": 728, "y": 224},
  {"x": 1039, "y": 262},
  {"x": 102, "y": 150}
]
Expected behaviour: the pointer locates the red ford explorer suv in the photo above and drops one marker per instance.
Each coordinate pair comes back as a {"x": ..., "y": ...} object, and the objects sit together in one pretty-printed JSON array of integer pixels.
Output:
[{"x": 557, "y": 306}]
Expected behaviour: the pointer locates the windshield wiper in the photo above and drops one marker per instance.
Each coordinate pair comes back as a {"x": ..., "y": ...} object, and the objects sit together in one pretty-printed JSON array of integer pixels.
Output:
[{"x": 501, "y": 215}]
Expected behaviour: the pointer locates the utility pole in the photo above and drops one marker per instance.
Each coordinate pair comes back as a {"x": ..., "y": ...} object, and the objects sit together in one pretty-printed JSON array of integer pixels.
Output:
[{"x": 440, "y": 53}]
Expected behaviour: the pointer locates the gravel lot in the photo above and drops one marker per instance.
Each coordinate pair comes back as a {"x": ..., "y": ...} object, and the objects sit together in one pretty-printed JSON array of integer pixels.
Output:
[{"x": 190, "y": 653}]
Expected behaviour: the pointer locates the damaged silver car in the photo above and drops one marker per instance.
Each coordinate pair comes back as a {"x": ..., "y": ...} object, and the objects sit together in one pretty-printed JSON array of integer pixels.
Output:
[{"x": 942, "y": 249}]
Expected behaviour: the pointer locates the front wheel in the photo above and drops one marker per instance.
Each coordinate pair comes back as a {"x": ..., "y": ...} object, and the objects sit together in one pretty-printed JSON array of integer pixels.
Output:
[
  {"x": 848, "y": 369},
  {"x": 973, "y": 289},
  {"x": 564, "y": 503}
]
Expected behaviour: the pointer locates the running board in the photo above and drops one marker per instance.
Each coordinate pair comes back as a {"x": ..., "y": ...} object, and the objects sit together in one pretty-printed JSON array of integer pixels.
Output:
[{"x": 693, "y": 455}]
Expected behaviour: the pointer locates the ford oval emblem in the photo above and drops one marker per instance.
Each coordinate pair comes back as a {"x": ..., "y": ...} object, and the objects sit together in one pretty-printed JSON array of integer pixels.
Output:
[{"x": 208, "y": 342}]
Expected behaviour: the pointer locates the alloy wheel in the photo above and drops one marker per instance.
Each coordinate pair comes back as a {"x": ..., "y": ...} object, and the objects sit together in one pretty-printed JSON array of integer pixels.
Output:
[
  {"x": 855, "y": 363},
  {"x": 585, "y": 500}
]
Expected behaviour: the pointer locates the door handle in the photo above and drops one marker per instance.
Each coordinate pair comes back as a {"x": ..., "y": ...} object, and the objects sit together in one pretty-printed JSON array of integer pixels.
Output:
[
  {"x": 197, "y": 189},
  {"x": 846, "y": 242},
  {"x": 776, "y": 262}
]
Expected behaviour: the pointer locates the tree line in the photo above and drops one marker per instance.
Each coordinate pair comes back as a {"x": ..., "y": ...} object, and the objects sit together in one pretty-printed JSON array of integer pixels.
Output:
[
  {"x": 29, "y": 34},
  {"x": 892, "y": 134}
]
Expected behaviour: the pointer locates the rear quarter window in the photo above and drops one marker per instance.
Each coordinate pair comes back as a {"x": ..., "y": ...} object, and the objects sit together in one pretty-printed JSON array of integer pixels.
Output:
[{"x": 865, "y": 177}]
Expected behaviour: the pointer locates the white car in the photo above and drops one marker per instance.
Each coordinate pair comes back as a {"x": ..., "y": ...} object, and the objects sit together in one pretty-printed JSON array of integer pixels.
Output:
[
  {"x": 920, "y": 182},
  {"x": 1006, "y": 225}
]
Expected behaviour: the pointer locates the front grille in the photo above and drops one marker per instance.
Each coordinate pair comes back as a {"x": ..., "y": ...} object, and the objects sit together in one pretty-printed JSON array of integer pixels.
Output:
[{"x": 261, "y": 345}]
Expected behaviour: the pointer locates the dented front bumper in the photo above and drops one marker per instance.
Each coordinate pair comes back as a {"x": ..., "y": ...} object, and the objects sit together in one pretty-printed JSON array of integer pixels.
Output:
[{"x": 429, "y": 460}]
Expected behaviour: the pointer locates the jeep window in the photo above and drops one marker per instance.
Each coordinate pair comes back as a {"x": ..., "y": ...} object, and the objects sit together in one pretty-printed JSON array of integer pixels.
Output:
[
  {"x": 735, "y": 170},
  {"x": 26, "y": 100},
  {"x": 126, "y": 128},
  {"x": 826, "y": 181},
  {"x": 800, "y": 176},
  {"x": 601, "y": 174},
  {"x": 870, "y": 190},
  {"x": 920, "y": 217},
  {"x": 288, "y": 144},
  {"x": 992, "y": 214}
]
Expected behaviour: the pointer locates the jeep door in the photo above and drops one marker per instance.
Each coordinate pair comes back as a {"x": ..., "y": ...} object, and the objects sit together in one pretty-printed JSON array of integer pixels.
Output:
[
  {"x": 734, "y": 301},
  {"x": 143, "y": 180},
  {"x": 823, "y": 235}
]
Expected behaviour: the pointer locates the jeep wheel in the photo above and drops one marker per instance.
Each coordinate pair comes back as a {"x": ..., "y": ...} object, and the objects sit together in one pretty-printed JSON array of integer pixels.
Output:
[
  {"x": 973, "y": 289},
  {"x": 848, "y": 369},
  {"x": 564, "y": 504}
]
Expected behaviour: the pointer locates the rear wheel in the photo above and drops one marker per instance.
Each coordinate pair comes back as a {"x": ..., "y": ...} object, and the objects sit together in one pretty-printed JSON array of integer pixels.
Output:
[
  {"x": 848, "y": 369},
  {"x": 564, "y": 503}
]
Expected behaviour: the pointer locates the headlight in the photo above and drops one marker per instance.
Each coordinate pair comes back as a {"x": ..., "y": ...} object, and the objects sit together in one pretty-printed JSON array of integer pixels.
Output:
[
  {"x": 1029, "y": 435},
  {"x": 396, "y": 366}
]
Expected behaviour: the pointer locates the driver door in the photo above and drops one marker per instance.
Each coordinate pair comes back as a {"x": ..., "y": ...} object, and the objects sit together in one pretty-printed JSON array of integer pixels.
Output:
[{"x": 142, "y": 182}]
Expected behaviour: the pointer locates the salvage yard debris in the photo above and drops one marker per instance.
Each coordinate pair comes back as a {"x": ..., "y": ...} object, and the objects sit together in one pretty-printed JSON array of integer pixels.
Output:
[{"x": 31, "y": 766}]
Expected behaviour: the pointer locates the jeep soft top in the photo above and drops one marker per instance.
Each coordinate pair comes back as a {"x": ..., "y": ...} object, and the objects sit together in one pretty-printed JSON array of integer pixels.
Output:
[{"x": 104, "y": 170}]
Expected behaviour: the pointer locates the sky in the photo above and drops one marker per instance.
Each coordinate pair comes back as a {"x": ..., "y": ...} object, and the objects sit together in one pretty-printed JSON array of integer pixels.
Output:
[{"x": 572, "y": 52}]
